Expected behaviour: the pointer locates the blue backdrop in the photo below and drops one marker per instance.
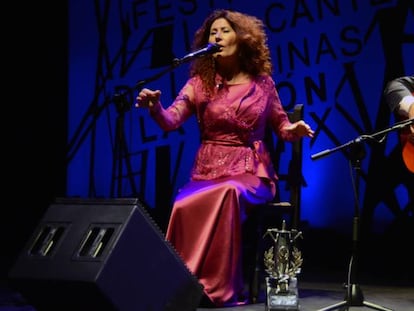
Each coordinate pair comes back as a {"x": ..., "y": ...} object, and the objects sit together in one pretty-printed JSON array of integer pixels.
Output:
[{"x": 332, "y": 56}]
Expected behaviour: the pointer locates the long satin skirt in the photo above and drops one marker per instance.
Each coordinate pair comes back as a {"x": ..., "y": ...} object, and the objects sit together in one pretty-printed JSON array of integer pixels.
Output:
[{"x": 205, "y": 229}]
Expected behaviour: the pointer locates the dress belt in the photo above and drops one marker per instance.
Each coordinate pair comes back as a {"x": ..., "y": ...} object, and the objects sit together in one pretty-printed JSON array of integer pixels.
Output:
[{"x": 226, "y": 143}]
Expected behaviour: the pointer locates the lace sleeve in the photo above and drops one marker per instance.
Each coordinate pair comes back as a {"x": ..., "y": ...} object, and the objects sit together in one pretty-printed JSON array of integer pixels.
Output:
[{"x": 178, "y": 112}]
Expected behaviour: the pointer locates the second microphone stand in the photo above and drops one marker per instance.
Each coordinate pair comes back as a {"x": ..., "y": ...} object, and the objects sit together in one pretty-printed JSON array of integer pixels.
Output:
[{"x": 356, "y": 153}]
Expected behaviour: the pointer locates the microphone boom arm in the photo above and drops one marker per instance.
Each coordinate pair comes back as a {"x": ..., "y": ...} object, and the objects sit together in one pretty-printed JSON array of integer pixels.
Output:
[
  {"x": 396, "y": 126},
  {"x": 209, "y": 49},
  {"x": 141, "y": 83}
]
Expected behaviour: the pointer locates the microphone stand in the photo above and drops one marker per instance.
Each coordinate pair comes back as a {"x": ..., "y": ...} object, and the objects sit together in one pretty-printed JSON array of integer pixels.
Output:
[
  {"x": 123, "y": 104},
  {"x": 356, "y": 152}
]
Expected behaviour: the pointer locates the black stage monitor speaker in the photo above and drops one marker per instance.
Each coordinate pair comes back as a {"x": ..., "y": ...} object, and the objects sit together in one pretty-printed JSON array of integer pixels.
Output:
[{"x": 102, "y": 254}]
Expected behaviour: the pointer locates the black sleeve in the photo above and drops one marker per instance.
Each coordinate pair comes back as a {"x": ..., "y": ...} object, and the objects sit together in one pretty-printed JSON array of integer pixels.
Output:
[{"x": 397, "y": 89}]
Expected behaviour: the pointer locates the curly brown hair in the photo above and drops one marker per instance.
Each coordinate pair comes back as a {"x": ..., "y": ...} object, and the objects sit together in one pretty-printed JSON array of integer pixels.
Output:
[{"x": 254, "y": 52}]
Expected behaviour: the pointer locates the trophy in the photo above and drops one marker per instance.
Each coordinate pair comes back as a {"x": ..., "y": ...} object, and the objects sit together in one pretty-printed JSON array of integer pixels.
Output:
[{"x": 282, "y": 262}]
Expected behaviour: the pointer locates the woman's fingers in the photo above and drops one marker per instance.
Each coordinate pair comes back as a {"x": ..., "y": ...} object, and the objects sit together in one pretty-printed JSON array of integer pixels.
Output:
[
  {"x": 147, "y": 98},
  {"x": 301, "y": 128}
]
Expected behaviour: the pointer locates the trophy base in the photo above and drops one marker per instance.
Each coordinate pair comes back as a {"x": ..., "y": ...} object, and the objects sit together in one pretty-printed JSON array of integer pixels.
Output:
[{"x": 277, "y": 300}]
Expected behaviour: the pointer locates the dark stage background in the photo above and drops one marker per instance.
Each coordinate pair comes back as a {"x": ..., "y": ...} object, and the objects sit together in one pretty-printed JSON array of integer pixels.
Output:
[{"x": 70, "y": 59}]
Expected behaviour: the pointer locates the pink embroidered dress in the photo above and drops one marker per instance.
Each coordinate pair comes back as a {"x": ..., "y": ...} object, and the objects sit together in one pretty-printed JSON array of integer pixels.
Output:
[{"x": 231, "y": 172}]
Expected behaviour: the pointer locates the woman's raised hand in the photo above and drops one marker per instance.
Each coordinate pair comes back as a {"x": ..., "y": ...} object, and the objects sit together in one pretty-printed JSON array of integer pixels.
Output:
[{"x": 147, "y": 98}]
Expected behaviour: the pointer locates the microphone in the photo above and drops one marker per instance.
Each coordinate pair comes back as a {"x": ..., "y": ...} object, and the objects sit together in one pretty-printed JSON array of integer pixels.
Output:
[{"x": 211, "y": 48}]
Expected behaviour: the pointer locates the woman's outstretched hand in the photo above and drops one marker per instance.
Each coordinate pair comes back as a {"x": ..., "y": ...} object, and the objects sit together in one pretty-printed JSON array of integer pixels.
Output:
[
  {"x": 300, "y": 128},
  {"x": 147, "y": 98}
]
